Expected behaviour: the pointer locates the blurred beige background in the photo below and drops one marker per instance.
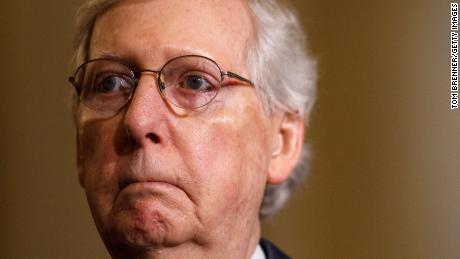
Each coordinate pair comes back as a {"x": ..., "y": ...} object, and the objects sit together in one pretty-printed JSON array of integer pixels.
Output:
[{"x": 385, "y": 176}]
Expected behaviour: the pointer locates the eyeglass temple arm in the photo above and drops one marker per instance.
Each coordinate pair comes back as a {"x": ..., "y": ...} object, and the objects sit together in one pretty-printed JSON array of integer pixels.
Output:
[
  {"x": 236, "y": 76},
  {"x": 72, "y": 81}
]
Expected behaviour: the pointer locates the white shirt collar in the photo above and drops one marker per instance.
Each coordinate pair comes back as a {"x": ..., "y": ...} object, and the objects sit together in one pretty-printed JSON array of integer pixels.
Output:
[{"x": 259, "y": 253}]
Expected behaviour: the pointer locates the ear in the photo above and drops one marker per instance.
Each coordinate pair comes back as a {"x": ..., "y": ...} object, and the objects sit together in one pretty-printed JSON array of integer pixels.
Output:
[{"x": 289, "y": 134}]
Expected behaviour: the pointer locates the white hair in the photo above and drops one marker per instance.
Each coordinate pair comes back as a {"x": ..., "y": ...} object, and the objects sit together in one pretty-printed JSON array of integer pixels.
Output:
[
  {"x": 286, "y": 80},
  {"x": 284, "y": 75}
]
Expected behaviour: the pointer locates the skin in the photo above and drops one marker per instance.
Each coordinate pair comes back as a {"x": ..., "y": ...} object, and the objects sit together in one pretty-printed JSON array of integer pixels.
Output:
[{"x": 162, "y": 182}]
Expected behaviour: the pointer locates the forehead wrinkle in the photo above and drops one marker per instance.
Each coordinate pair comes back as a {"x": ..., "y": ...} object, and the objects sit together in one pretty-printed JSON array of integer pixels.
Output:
[{"x": 228, "y": 26}]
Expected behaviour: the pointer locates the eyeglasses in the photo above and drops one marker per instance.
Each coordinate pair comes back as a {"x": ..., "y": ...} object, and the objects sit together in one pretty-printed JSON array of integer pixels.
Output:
[{"x": 107, "y": 84}]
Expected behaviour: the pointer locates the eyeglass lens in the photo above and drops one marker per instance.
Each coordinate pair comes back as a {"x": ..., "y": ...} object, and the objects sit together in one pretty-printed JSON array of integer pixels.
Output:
[{"x": 189, "y": 82}]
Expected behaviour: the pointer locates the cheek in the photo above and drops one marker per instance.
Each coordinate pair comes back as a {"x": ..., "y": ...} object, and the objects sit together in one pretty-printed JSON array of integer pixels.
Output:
[
  {"x": 97, "y": 144},
  {"x": 97, "y": 148},
  {"x": 243, "y": 174},
  {"x": 228, "y": 154}
]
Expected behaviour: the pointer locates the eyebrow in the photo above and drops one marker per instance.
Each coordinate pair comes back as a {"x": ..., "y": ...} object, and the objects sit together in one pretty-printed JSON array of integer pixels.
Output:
[
  {"x": 112, "y": 55},
  {"x": 170, "y": 53}
]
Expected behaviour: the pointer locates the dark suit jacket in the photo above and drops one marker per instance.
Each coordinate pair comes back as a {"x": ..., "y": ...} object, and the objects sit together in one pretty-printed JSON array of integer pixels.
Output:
[{"x": 271, "y": 251}]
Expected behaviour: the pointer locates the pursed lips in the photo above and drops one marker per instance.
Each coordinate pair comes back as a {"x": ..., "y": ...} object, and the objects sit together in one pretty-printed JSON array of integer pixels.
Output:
[
  {"x": 139, "y": 183},
  {"x": 149, "y": 183}
]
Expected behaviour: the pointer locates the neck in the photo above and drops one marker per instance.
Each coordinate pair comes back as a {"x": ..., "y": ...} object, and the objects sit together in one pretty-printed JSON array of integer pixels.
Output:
[{"x": 233, "y": 243}]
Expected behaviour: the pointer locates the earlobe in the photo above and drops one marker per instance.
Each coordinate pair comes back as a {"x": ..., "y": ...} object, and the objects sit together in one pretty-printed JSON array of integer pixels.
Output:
[{"x": 286, "y": 151}]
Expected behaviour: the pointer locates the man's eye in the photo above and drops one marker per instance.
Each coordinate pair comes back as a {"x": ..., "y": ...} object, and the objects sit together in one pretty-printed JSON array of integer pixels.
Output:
[
  {"x": 112, "y": 83},
  {"x": 196, "y": 82}
]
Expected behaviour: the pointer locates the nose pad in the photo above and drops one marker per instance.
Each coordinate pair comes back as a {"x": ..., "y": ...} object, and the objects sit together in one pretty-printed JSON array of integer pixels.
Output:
[{"x": 162, "y": 85}]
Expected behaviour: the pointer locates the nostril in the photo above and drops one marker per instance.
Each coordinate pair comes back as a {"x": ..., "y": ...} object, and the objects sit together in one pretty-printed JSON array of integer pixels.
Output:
[{"x": 153, "y": 137}]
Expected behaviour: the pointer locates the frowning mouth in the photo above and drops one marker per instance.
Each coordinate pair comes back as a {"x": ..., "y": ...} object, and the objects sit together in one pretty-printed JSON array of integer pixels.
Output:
[
  {"x": 151, "y": 187},
  {"x": 146, "y": 196},
  {"x": 133, "y": 185},
  {"x": 135, "y": 192}
]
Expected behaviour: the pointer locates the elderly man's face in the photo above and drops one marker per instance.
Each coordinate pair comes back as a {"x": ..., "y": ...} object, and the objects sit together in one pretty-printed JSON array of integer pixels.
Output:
[{"x": 156, "y": 176}]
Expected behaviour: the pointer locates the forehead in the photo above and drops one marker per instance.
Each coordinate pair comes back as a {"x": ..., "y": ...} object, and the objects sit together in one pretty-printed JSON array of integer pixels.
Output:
[{"x": 163, "y": 29}]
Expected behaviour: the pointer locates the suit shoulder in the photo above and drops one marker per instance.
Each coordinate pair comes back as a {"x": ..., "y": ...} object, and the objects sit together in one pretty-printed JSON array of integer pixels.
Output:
[{"x": 271, "y": 251}]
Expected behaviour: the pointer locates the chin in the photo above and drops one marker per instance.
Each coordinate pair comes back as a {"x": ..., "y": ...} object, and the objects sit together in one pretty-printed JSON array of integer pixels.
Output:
[{"x": 147, "y": 227}]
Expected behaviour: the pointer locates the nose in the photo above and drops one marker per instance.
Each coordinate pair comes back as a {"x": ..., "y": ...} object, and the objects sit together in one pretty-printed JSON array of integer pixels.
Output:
[{"x": 145, "y": 118}]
